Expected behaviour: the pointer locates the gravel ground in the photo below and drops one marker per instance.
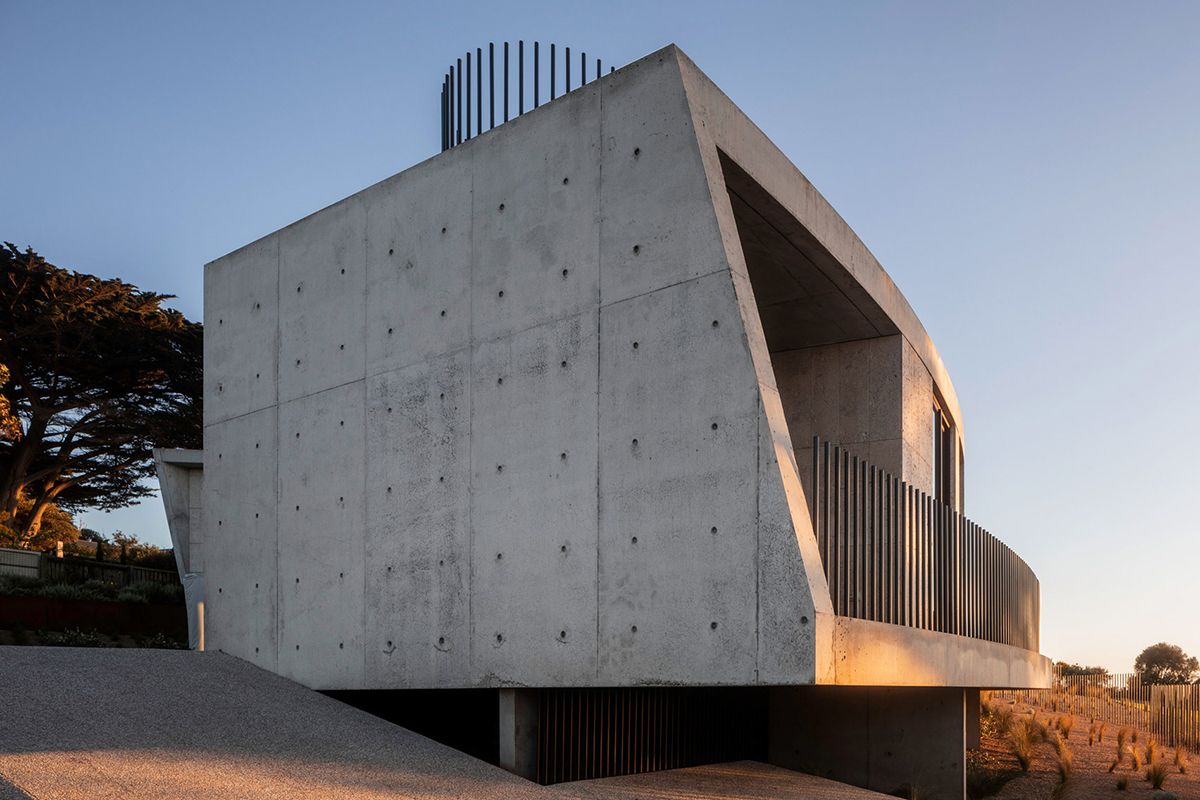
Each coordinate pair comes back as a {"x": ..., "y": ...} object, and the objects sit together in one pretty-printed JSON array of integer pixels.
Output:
[{"x": 129, "y": 723}]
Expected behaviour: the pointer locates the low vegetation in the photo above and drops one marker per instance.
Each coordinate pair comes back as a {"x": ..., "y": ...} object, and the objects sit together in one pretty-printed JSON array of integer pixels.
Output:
[
  {"x": 1157, "y": 775},
  {"x": 93, "y": 590}
]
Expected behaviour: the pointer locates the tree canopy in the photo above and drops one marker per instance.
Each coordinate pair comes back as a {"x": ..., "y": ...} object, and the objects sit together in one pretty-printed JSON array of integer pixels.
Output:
[
  {"x": 1166, "y": 663},
  {"x": 98, "y": 374}
]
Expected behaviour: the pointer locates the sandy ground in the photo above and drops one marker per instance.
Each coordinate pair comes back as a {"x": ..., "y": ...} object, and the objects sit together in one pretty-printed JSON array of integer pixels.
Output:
[{"x": 1091, "y": 779}]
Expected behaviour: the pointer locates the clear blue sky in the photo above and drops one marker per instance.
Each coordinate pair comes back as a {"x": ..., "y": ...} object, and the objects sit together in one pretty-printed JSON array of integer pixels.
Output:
[{"x": 1029, "y": 173}]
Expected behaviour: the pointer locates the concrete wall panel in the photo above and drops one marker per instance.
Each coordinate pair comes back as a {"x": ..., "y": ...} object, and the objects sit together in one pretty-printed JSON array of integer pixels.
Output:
[
  {"x": 418, "y": 300},
  {"x": 321, "y": 522},
  {"x": 418, "y": 525},
  {"x": 533, "y": 506},
  {"x": 241, "y": 309},
  {"x": 240, "y": 537},
  {"x": 678, "y": 469},
  {"x": 536, "y": 238},
  {"x": 322, "y": 283},
  {"x": 655, "y": 196}
]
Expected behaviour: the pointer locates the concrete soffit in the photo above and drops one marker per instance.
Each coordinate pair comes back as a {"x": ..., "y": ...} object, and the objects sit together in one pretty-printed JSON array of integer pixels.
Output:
[{"x": 727, "y": 134}]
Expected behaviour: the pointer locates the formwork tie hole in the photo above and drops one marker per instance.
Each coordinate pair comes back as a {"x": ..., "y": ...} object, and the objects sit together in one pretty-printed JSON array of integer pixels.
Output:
[
  {"x": 633, "y": 629},
  {"x": 443, "y": 397},
  {"x": 501, "y": 294},
  {"x": 635, "y": 345},
  {"x": 637, "y": 248},
  {"x": 499, "y": 556},
  {"x": 389, "y": 331},
  {"x": 637, "y": 151},
  {"x": 343, "y": 271},
  {"x": 804, "y": 620},
  {"x": 563, "y": 456},
  {"x": 391, "y": 251},
  {"x": 564, "y": 273},
  {"x": 443, "y": 230},
  {"x": 565, "y": 181},
  {"x": 499, "y": 381},
  {"x": 441, "y": 640},
  {"x": 562, "y": 634},
  {"x": 634, "y": 540},
  {"x": 635, "y": 442},
  {"x": 499, "y": 637},
  {"x": 714, "y": 530},
  {"x": 716, "y": 324},
  {"x": 563, "y": 365},
  {"x": 443, "y": 313},
  {"x": 713, "y": 626},
  {"x": 502, "y": 206},
  {"x": 341, "y": 645},
  {"x": 714, "y": 426}
]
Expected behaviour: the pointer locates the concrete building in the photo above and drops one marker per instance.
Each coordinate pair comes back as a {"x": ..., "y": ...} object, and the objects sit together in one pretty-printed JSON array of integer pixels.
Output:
[{"x": 530, "y": 425}]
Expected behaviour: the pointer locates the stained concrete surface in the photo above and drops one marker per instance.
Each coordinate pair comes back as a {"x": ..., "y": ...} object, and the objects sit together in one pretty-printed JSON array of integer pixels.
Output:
[{"x": 94, "y": 723}]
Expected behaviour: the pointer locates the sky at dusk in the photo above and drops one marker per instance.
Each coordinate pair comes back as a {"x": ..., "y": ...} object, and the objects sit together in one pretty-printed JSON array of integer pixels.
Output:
[{"x": 1028, "y": 173}]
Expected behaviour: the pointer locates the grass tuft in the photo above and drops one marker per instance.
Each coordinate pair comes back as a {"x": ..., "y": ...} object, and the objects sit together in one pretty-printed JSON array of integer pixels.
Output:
[
  {"x": 1063, "y": 764},
  {"x": 1151, "y": 750},
  {"x": 1157, "y": 775},
  {"x": 1065, "y": 724},
  {"x": 1181, "y": 760},
  {"x": 1122, "y": 784},
  {"x": 1021, "y": 741},
  {"x": 1100, "y": 731},
  {"x": 1137, "y": 757},
  {"x": 1122, "y": 737}
]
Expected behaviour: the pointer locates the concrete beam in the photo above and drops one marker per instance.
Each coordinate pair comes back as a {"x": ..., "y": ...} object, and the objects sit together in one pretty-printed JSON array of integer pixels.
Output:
[{"x": 869, "y": 653}]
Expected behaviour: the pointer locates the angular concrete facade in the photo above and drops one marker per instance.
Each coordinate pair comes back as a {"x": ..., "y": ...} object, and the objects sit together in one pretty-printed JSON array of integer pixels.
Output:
[{"x": 538, "y": 411}]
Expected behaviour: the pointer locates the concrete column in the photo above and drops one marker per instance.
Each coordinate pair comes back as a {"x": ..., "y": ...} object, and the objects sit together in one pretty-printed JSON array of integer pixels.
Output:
[
  {"x": 879, "y": 738},
  {"x": 519, "y": 732},
  {"x": 973, "y": 714}
]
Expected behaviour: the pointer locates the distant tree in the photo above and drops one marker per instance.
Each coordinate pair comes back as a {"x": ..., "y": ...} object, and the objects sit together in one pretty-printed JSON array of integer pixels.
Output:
[
  {"x": 57, "y": 526},
  {"x": 99, "y": 374},
  {"x": 1166, "y": 663},
  {"x": 10, "y": 425}
]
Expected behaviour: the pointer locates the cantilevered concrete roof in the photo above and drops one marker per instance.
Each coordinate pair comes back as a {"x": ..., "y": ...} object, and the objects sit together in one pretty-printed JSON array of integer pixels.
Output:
[{"x": 89, "y": 723}]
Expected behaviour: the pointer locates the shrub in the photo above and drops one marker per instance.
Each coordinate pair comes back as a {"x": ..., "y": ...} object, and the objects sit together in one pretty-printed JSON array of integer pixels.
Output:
[
  {"x": 1151, "y": 750},
  {"x": 74, "y": 638},
  {"x": 1133, "y": 734},
  {"x": 1137, "y": 757},
  {"x": 1122, "y": 735},
  {"x": 1157, "y": 775},
  {"x": 1122, "y": 784},
  {"x": 1100, "y": 731},
  {"x": 1181, "y": 760},
  {"x": 163, "y": 642}
]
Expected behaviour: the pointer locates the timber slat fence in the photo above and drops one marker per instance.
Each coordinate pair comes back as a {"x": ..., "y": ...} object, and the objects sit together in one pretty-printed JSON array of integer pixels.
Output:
[
  {"x": 895, "y": 554},
  {"x": 30, "y": 563},
  {"x": 1170, "y": 712}
]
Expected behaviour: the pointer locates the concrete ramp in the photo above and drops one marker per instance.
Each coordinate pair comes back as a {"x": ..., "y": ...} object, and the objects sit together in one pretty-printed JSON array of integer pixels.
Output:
[{"x": 94, "y": 723}]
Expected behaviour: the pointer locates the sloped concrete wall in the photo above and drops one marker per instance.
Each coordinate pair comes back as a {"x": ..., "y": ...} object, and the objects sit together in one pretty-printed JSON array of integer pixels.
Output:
[{"x": 494, "y": 421}]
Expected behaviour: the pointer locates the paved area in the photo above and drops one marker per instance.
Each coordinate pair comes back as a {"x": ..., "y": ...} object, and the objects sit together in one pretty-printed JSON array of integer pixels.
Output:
[{"x": 108, "y": 723}]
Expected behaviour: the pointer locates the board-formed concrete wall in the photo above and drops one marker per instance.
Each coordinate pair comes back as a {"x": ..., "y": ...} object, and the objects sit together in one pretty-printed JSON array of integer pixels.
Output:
[{"x": 509, "y": 417}]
